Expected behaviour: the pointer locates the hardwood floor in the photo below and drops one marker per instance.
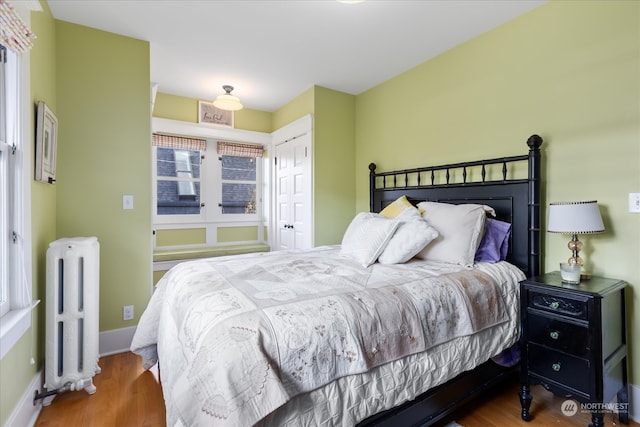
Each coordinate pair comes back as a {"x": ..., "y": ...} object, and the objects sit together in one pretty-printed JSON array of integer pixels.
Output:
[
  {"x": 129, "y": 396},
  {"x": 126, "y": 396},
  {"x": 502, "y": 408}
]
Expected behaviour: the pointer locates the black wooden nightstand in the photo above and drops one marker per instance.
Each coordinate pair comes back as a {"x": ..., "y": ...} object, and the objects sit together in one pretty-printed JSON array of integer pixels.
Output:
[{"x": 573, "y": 342}]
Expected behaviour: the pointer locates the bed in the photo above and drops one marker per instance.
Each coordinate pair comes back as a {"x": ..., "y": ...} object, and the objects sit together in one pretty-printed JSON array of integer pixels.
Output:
[{"x": 352, "y": 334}]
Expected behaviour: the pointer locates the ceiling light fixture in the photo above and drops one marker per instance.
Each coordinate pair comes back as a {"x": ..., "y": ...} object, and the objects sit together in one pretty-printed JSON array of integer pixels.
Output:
[{"x": 226, "y": 101}]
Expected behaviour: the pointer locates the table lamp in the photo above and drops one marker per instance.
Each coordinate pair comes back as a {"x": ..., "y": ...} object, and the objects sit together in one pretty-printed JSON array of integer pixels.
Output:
[{"x": 575, "y": 218}]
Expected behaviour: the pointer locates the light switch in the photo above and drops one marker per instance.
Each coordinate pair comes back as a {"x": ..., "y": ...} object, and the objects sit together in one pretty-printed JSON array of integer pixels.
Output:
[
  {"x": 127, "y": 201},
  {"x": 634, "y": 202}
]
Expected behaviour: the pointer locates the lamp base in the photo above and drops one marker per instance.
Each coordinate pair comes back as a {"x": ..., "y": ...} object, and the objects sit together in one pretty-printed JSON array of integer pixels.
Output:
[{"x": 575, "y": 246}]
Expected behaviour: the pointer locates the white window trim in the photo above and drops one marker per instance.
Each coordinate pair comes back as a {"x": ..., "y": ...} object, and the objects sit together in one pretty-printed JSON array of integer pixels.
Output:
[
  {"x": 177, "y": 127},
  {"x": 210, "y": 217},
  {"x": 16, "y": 322},
  {"x": 5, "y": 197},
  {"x": 210, "y": 194}
]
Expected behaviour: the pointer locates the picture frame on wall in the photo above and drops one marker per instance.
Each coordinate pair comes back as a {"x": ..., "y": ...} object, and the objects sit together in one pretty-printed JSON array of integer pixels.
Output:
[
  {"x": 46, "y": 144},
  {"x": 210, "y": 114}
]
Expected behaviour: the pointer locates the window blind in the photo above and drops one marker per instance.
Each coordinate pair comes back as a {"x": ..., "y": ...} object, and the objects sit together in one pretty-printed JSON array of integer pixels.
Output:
[
  {"x": 14, "y": 33},
  {"x": 226, "y": 148},
  {"x": 179, "y": 142}
]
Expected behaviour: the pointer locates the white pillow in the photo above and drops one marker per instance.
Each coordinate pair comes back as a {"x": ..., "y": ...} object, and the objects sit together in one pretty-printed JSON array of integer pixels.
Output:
[
  {"x": 367, "y": 236},
  {"x": 412, "y": 235},
  {"x": 461, "y": 228}
]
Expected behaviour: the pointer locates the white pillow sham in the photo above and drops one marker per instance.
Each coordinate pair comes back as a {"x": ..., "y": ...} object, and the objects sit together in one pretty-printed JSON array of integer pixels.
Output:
[
  {"x": 367, "y": 236},
  {"x": 412, "y": 235},
  {"x": 460, "y": 229}
]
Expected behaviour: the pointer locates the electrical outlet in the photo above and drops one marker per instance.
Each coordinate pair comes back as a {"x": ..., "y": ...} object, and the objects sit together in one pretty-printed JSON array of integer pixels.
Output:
[
  {"x": 127, "y": 312},
  {"x": 634, "y": 202}
]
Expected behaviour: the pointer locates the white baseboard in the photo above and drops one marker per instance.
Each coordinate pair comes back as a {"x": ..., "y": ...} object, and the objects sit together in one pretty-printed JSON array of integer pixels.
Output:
[
  {"x": 115, "y": 341},
  {"x": 634, "y": 402},
  {"x": 25, "y": 414}
]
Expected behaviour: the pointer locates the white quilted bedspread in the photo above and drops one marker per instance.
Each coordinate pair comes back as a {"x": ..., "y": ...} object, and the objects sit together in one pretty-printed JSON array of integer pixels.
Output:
[{"x": 239, "y": 337}]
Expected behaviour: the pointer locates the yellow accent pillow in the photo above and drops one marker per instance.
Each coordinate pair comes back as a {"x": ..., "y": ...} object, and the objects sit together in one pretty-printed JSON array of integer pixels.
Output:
[{"x": 396, "y": 207}]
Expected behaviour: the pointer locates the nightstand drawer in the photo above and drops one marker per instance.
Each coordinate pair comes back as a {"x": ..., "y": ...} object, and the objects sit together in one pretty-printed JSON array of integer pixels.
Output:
[
  {"x": 559, "y": 367},
  {"x": 555, "y": 304},
  {"x": 559, "y": 335}
]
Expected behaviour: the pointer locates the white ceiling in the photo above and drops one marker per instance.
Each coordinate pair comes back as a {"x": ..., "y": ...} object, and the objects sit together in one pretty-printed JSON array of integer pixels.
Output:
[{"x": 272, "y": 51}]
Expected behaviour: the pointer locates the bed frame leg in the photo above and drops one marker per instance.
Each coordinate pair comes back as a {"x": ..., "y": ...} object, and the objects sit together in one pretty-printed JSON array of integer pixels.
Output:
[{"x": 525, "y": 402}]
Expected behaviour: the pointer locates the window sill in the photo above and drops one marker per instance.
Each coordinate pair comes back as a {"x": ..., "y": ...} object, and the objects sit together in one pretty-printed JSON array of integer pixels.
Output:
[
  {"x": 13, "y": 325},
  {"x": 207, "y": 252}
]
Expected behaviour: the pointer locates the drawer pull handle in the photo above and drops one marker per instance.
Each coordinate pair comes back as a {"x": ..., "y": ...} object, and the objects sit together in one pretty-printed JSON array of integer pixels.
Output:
[
  {"x": 556, "y": 367},
  {"x": 554, "y": 335},
  {"x": 554, "y": 305}
]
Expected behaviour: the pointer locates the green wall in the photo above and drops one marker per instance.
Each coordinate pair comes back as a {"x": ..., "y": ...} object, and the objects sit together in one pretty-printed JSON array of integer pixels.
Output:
[
  {"x": 16, "y": 371},
  {"x": 104, "y": 114},
  {"x": 569, "y": 71},
  {"x": 237, "y": 234},
  {"x": 181, "y": 236},
  {"x": 333, "y": 160},
  {"x": 299, "y": 106}
]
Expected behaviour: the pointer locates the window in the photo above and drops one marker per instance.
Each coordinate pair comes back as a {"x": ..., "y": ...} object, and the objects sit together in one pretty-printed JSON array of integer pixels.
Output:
[
  {"x": 15, "y": 248},
  {"x": 6, "y": 178},
  {"x": 178, "y": 181},
  {"x": 192, "y": 185},
  {"x": 238, "y": 184},
  {"x": 239, "y": 177},
  {"x": 185, "y": 163}
]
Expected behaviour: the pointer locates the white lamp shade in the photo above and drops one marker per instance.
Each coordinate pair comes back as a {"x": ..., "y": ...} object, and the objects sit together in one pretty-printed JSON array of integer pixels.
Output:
[
  {"x": 575, "y": 218},
  {"x": 228, "y": 102}
]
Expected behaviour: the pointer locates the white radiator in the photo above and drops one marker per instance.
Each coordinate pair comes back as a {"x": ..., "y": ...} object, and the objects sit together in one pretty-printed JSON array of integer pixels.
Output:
[{"x": 73, "y": 277}]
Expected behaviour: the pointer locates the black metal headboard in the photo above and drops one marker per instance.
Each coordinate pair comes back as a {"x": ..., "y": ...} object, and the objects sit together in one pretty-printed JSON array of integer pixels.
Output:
[{"x": 516, "y": 201}]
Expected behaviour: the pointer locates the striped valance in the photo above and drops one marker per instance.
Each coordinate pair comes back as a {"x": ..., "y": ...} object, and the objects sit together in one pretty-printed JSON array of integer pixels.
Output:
[
  {"x": 14, "y": 34},
  {"x": 179, "y": 142},
  {"x": 239, "y": 150}
]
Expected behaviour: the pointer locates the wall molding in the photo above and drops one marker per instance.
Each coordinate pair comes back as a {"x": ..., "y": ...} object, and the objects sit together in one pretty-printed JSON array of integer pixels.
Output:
[
  {"x": 177, "y": 127},
  {"x": 634, "y": 402},
  {"x": 115, "y": 341},
  {"x": 26, "y": 413}
]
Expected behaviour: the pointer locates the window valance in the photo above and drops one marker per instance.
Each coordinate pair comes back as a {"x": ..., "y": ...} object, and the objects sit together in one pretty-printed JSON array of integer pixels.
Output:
[
  {"x": 14, "y": 33},
  {"x": 179, "y": 142},
  {"x": 237, "y": 149}
]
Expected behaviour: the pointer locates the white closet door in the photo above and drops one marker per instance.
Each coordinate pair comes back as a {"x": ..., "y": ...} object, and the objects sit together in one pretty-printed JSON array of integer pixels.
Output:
[
  {"x": 301, "y": 191},
  {"x": 294, "y": 193},
  {"x": 284, "y": 236}
]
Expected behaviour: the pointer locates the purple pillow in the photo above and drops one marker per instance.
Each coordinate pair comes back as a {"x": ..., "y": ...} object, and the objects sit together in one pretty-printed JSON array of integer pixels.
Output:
[
  {"x": 509, "y": 357},
  {"x": 495, "y": 242}
]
